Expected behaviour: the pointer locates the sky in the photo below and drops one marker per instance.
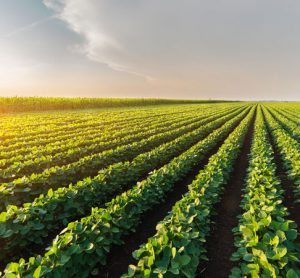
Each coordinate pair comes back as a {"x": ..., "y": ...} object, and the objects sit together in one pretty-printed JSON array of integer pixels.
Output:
[{"x": 187, "y": 49}]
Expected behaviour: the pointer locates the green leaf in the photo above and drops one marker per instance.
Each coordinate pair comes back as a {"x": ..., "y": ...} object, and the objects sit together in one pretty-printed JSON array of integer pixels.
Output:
[
  {"x": 10, "y": 275},
  {"x": 90, "y": 246},
  {"x": 280, "y": 252},
  {"x": 248, "y": 257},
  {"x": 184, "y": 260},
  {"x": 246, "y": 232},
  {"x": 8, "y": 233},
  {"x": 274, "y": 241},
  {"x": 37, "y": 272},
  {"x": 131, "y": 269},
  {"x": 174, "y": 271},
  {"x": 160, "y": 270},
  {"x": 64, "y": 259},
  {"x": 3, "y": 216},
  {"x": 260, "y": 254},
  {"x": 292, "y": 274},
  {"x": 173, "y": 252},
  {"x": 291, "y": 234},
  {"x": 13, "y": 267},
  {"x": 50, "y": 192}
]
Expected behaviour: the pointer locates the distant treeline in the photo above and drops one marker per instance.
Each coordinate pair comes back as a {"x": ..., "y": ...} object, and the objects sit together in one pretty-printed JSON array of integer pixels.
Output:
[{"x": 24, "y": 104}]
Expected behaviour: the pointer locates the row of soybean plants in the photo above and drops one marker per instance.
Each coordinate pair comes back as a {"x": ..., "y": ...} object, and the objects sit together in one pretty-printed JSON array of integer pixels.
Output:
[
  {"x": 285, "y": 121},
  {"x": 22, "y": 181},
  {"x": 83, "y": 245},
  {"x": 20, "y": 165},
  {"x": 289, "y": 150},
  {"x": 85, "y": 136},
  {"x": 32, "y": 223},
  {"x": 25, "y": 189},
  {"x": 291, "y": 110},
  {"x": 16, "y": 126},
  {"x": 294, "y": 115},
  {"x": 98, "y": 123},
  {"x": 36, "y": 162},
  {"x": 26, "y": 132},
  {"x": 21, "y": 127},
  {"x": 265, "y": 237},
  {"x": 179, "y": 244},
  {"x": 288, "y": 114},
  {"x": 57, "y": 138},
  {"x": 22, "y": 104}
]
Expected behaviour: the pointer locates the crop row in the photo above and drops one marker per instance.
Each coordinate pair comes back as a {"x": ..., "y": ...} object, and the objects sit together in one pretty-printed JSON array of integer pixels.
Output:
[
  {"x": 265, "y": 238},
  {"x": 26, "y": 188},
  {"x": 178, "y": 246},
  {"x": 29, "y": 225},
  {"x": 73, "y": 152},
  {"x": 84, "y": 244},
  {"x": 287, "y": 124},
  {"x": 86, "y": 137},
  {"x": 100, "y": 123},
  {"x": 57, "y": 138},
  {"x": 289, "y": 115},
  {"x": 23, "y": 104},
  {"x": 289, "y": 150},
  {"x": 44, "y": 130},
  {"x": 293, "y": 113}
]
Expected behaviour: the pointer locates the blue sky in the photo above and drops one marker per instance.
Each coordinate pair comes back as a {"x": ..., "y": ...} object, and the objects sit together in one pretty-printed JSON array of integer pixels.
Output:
[{"x": 229, "y": 49}]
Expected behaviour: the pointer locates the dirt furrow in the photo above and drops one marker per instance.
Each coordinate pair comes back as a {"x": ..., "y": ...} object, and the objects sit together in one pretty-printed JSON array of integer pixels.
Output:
[
  {"x": 121, "y": 256},
  {"x": 287, "y": 185},
  {"x": 220, "y": 243}
]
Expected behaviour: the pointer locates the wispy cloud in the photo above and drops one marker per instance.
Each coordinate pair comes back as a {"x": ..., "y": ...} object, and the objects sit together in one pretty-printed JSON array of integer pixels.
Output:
[
  {"x": 101, "y": 45},
  {"x": 29, "y": 26},
  {"x": 201, "y": 48}
]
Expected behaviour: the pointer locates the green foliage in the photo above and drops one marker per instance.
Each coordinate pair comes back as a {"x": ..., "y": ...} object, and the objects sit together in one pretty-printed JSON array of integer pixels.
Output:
[
  {"x": 178, "y": 245},
  {"x": 57, "y": 208},
  {"x": 65, "y": 151},
  {"x": 84, "y": 244},
  {"x": 122, "y": 149},
  {"x": 265, "y": 238},
  {"x": 22, "y": 104},
  {"x": 140, "y": 154},
  {"x": 289, "y": 149}
]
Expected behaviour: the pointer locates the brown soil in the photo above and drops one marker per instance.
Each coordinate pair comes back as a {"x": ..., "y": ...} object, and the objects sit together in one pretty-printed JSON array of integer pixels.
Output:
[
  {"x": 287, "y": 186},
  {"x": 40, "y": 248},
  {"x": 121, "y": 256},
  {"x": 220, "y": 243}
]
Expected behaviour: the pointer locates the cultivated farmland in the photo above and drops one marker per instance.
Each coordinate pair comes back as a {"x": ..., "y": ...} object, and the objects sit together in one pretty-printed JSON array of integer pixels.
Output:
[{"x": 177, "y": 190}]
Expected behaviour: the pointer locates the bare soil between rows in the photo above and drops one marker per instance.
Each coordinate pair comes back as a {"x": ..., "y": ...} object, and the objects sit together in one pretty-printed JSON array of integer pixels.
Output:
[
  {"x": 220, "y": 243},
  {"x": 287, "y": 186},
  {"x": 40, "y": 248},
  {"x": 121, "y": 256}
]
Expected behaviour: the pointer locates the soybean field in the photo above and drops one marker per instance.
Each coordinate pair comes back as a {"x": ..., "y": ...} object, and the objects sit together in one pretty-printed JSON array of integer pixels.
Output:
[{"x": 167, "y": 190}]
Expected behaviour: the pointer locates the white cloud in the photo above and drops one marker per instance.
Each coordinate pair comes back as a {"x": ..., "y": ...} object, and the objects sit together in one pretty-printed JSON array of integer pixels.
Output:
[
  {"x": 56, "y": 5},
  {"x": 85, "y": 18},
  {"x": 188, "y": 39}
]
